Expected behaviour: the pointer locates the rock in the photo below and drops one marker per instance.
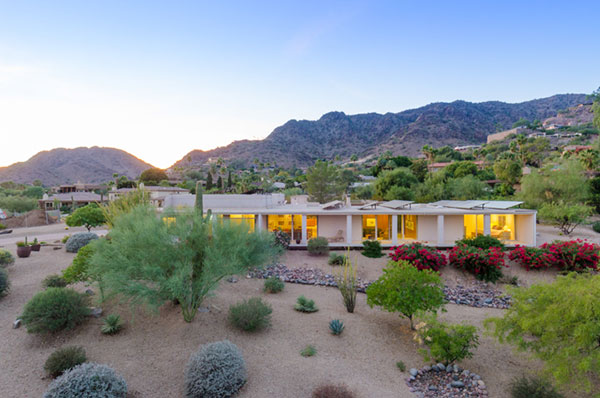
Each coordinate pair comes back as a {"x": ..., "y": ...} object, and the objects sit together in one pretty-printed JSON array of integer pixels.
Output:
[
  {"x": 476, "y": 377},
  {"x": 466, "y": 373},
  {"x": 480, "y": 383},
  {"x": 432, "y": 388},
  {"x": 449, "y": 369},
  {"x": 426, "y": 368},
  {"x": 413, "y": 372},
  {"x": 233, "y": 279},
  {"x": 456, "y": 369},
  {"x": 96, "y": 312},
  {"x": 435, "y": 368},
  {"x": 17, "y": 323},
  {"x": 455, "y": 377},
  {"x": 57, "y": 248},
  {"x": 89, "y": 292},
  {"x": 457, "y": 384},
  {"x": 441, "y": 366},
  {"x": 203, "y": 309}
]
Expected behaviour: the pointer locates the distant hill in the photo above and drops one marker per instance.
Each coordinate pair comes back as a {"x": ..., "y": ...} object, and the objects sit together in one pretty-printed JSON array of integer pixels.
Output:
[
  {"x": 63, "y": 166},
  {"x": 301, "y": 142}
]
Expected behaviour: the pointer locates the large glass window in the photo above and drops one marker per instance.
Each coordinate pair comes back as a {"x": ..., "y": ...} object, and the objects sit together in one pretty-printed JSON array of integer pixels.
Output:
[
  {"x": 410, "y": 226},
  {"x": 502, "y": 226},
  {"x": 297, "y": 227},
  {"x": 292, "y": 225},
  {"x": 473, "y": 225},
  {"x": 384, "y": 222},
  {"x": 376, "y": 227},
  {"x": 247, "y": 219},
  {"x": 369, "y": 226},
  {"x": 280, "y": 222},
  {"x": 311, "y": 227}
]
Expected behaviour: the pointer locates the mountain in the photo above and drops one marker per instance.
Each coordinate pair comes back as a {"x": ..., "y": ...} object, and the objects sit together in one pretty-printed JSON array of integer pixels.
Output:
[
  {"x": 301, "y": 142},
  {"x": 63, "y": 166}
]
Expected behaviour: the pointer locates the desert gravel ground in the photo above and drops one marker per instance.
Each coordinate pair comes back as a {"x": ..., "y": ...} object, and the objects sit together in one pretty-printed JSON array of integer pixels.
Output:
[{"x": 153, "y": 349}]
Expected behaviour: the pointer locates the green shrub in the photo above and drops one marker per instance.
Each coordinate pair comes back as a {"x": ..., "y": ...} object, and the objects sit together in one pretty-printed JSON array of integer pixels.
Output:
[
  {"x": 112, "y": 324},
  {"x": 305, "y": 305},
  {"x": 372, "y": 249},
  {"x": 273, "y": 285},
  {"x": 448, "y": 343},
  {"x": 6, "y": 258},
  {"x": 318, "y": 246},
  {"x": 336, "y": 326},
  {"x": 2, "y": 226},
  {"x": 481, "y": 242},
  {"x": 332, "y": 391},
  {"x": 64, "y": 359},
  {"x": 65, "y": 238},
  {"x": 282, "y": 239},
  {"x": 596, "y": 226},
  {"x": 485, "y": 264},
  {"x": 216, "y": 370},
  {"x": 54, "y": 280},
  {"x": 89, "y": 216},
  {"x": 4, "y": 282},
  {"x": 347, "y": 284},
  {"x": 78, "y": 270},
  {"x": 336, "y": 259},
  {"x": 54, "y": 309},
  {"x": 532, "y": 387},
  {"x": 250, "y": 315},
  {"x": 401, "y": 366},
  {"x": 79, "y": 240},
  {"x": 89, "y": 380},
  {"x": 308, "y": 351}
]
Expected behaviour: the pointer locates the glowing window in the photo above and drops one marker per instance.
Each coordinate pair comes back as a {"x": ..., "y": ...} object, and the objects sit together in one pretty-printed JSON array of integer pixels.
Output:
[
  {"x": 311, "y": 226},
  {"x": 369, "y": 227},
  {"x": 280, "y": 221},
  {"x": 410, "y": 226},
  {"x": 502, "y": 226},
  {"x": 473, "y": 225},
  {"x": 247, "y": 219},
  {"x": 384, "y": 222}
]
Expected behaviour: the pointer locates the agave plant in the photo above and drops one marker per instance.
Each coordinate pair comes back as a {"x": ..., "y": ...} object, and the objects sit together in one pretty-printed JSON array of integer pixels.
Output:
[
  {"x": 336, "y": 326},
  {"x": 112, "y": 324}
]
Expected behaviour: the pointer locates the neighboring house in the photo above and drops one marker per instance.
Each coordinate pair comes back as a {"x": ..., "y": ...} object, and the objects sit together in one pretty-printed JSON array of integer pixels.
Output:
[
  {"x": 56, "y": 201},
  {"x": 503, "y": 134},
  {"x": 576, "y": 148},
  {"x": 394, "y": 222},
  {"x": 157, "y": 193},
  {"x": 278, "y": 185},
  {"x": 440, "y": 165},
  {"x": 465, "y": 148},
  {"x": 79, "y": 187}
]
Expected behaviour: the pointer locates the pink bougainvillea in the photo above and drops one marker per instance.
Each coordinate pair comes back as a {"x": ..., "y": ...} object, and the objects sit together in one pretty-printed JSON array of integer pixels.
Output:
[
  {"x": 573, "y": 255},
  {"x": 419, "y": 255},
  {"x": 485, "y": 264}
]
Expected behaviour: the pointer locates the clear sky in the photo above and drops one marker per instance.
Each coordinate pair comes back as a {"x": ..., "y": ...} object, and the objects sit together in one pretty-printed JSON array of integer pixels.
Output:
[{"x": 160, "y": 78}]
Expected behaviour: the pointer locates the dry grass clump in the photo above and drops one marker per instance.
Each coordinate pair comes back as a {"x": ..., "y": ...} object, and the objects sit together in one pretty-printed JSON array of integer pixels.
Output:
[{"x": 333, "y": 391}]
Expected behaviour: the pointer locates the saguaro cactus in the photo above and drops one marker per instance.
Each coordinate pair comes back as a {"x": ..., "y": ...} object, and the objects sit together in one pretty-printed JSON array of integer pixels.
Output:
[{"x": 199, "y": 203}]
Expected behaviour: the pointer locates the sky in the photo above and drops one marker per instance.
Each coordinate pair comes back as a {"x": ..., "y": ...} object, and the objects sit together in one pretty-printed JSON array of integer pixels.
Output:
[{"x": 161, "y": 78}]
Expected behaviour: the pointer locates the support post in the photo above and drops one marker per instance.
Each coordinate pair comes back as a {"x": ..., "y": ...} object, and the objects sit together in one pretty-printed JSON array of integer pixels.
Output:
[
  {"x": 304, "y": 239},
  {"x": 259, "y": 222},
  {"x": 487, "y": 227},
  {"x": 348, "y": 229},
  {"x": 440, "y": 230},
  {"x": 394, "y": 231}
]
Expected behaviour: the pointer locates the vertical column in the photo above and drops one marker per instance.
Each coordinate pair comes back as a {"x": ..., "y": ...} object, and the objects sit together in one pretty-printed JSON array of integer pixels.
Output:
[
  {"x": 394, "y": 230},
  {"x": 534, "y": 222},
  {"x": 440, "y": 230},
  {"x": 304, "y": 230},
  {"x": 259, "y": 222},
  {"x": 349, "y": 229},
  {"x": 487, "y": 228}
]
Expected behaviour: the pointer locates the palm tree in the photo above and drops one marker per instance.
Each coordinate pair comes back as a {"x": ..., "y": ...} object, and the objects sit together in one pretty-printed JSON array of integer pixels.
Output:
[{"x": 589, "y": 159}]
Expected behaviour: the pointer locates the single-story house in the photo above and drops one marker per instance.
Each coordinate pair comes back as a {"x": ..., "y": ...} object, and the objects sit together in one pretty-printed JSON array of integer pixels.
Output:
[
  {"x": 157, "y": 193},
  {"x": 56, "y": 201},
  {"x": 78, "y": 187},
  {"x": 393, "y": 222}
]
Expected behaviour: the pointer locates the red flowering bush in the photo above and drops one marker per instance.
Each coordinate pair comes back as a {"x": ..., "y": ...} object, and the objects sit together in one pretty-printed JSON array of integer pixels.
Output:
[
  {"x": 532, "y": 257},
  {"x": 419, "y": 255},
  {"x": 573, "y": 255},
  {"x": 485, "y": 264}
]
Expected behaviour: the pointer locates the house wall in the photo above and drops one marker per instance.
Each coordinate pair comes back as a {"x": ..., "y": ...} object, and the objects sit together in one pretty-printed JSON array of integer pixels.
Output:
[
  {"x": 427, "y": 229},
  {"x": 453, "y": 228},
  {"x": 328, "y": 226},
  {"x": 525, "y": 224},
  {"x": 356, "y": 228}
]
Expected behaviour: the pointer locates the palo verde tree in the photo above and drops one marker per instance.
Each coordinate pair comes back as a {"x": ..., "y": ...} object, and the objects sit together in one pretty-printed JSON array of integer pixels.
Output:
[
  {"x": 323, "y": 182},
  {"x": 181, "y": 256},
  {"x": 89, "y": 216},
  {"x": 560, "y": 324},
  {"x": 153, "y": 176}
]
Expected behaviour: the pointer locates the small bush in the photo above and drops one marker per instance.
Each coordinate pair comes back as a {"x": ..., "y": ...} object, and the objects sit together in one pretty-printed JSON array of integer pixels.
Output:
[
  {"x": 89, "y": 380},
  {"x": 596, "y": 226},
  {"x": 305, "y": 305},
  {"x": 112, "y": 324},
  {"x": 4, "y": 282},
  {"x": 66, "y": 237},
  {"x": 79, "y": 240},
  {"x": 308, "y": 351},
  {"x": 78, "y": 270},
  {"x": 532, "y": 387},
  {"x": 485, "y": 264},
  {"x": 448, "y": 343},
  {"x": 419, "y": 255},
  {"x": 481, "y": 242},
  {"x": 372, "y": 249},
  {"x": 401, "y": 366},
  {"x": 64, "y": 359},
  {"x": 250, "y": 315},
  {"x": 333, "y": 391},
  {"x": 54, "y": 309},
  {"x": 336, "y": 326},
  {"x": 216, "y": 370},
  {"x": 54, "y": 281},
  {"x": 282, "y": 239},
  {"x": 318, "y": 246},
  {"x": 273, "y": 285},
  {"x": 336, "y": 259},
  {"x": 2, "y": 226},
  {"x": 6, "y": 258}
]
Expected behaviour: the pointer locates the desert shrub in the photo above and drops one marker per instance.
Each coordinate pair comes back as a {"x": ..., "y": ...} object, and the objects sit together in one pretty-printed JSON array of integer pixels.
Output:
[
  {"x": 532, "y": 257},
  {"x": 318, "y": 246},
  {"x": 372, "y": 249},
  {"x": 88, "y": 380},
  {"x": 347, "y": 283},
  {"x": 54, "y": 309},
  {"x": 79, "y": 240},
  {"x": 405, "y": 289},
  {"x": 216, "y": 370},
  {"x": 574, "y": 255},
  {"x": 64, "y": 359},
  {"x": 482, "y": 242},
  {"x": 89, "y": 216},
  {"x": 6, "y": 258},
  {"x": 308, "y": 351},
  {"x": 485, "y": 264},
  {"x": 532, "y": 387},
  {"x": 250, "y": 315},
  {"x": 596, "y": 226},
  {"x": 282, "y": 239},
  {"x": 305, "y": 305},
  {"x": 401, "y": 366},
  {"x": 336, "y": 259},
  {"x": 419, "y": 255},
  {"x": 332, "y": 391},
  {"x": 78, "y": 270},
  {"x": 448, "y": 343},
  {"x": 65, "y": 238},
  {"x": 112, "y": 324},
  {"x": 336, "y": 326},
  {"x": 273, "y": 285},
  {"x": 2, "y": 226},
  {"x": 54, "y": 280},
  {"x": 4, "y": 282}
]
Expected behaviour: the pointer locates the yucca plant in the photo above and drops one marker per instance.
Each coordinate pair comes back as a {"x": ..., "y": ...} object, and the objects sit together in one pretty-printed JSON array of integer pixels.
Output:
[
  {"x": 336, "y": 326},
  {"x": 305, "y": 305},
  {"x": 348, "y": 283},
  {"x": 112, "y": 324}
]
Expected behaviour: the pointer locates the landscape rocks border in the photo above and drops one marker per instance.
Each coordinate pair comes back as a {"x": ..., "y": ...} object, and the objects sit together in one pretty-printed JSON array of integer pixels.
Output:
[{"x": 445, "y": 381}]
